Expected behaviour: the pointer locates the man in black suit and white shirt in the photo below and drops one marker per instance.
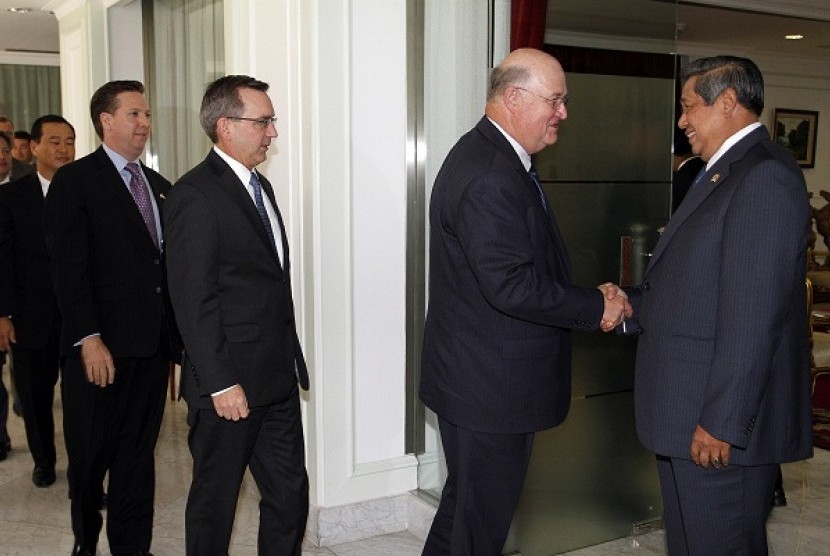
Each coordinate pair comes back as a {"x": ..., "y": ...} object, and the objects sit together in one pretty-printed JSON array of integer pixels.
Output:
[
  {"x": 230, "y": 285},
  {"x": 722, "y": 389},
  {"x": 497, "y": 342},
  {"x": 29, "y": 318},
  {"x": 102, "y": 223}
]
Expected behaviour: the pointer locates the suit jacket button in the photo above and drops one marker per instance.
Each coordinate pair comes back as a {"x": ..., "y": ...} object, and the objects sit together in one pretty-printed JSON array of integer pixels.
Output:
[
  {"x": 646, "y": 285},
  {"x": 156, "y": 261},
  {"x": 158, "y": 289}
]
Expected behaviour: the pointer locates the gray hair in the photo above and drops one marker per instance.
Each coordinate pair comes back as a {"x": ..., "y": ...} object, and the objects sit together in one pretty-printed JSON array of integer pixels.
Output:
[
  {"x": 503, "y": 77},
  {"x": 222, "y": 100},
  {"x": 718, "y": 73}
]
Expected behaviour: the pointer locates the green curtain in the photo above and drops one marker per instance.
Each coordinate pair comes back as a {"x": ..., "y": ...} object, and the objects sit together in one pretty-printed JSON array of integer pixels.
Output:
[{"x": 28, "y": 92}]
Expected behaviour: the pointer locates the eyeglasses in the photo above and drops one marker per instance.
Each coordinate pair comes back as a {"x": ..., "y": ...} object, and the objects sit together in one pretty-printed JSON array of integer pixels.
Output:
[
  {"x": 555, "y": 102},
  {"x": 260, "y": 123}
]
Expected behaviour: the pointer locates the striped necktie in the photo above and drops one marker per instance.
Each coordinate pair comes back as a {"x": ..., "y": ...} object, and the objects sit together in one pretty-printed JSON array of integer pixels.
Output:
[{"x": 260, "y": 208}]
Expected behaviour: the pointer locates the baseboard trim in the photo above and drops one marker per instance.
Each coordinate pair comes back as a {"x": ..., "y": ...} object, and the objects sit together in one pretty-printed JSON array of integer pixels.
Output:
[{"x": 370, "y": 518}]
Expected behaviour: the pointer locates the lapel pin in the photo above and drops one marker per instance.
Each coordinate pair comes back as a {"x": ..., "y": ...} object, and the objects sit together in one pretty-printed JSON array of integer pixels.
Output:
[
  {"x": 163, "y": 196},
  {"x": 715, "y": 178}
]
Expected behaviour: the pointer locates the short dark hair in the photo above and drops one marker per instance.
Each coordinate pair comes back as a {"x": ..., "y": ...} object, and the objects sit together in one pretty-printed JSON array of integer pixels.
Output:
[
  {"x": 718, "y": 73},
  {"x": 7, "y": 138},
  {"x": 222, "y": 100},
  {"x": 37, "y": 127},
  {"x": 105, "y": 100},
  {"x": 20, "y": 134}
]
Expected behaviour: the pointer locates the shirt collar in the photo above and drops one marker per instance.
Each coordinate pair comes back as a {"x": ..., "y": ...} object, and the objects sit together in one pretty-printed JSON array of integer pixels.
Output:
[
  {"x": 117, "y": 159},
  {"x": 44, "y": 183},
  {"x": 730, "y": 142},
  {"x": 238, "y": 168},
  {"x": 523, "y": 156}
]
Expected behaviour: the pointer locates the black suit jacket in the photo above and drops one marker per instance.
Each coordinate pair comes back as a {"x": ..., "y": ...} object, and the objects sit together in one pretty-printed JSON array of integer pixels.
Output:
[
  {"x": 231, "y": 296},
  {"x": 723, "y": 313},
  {"x": 109, "y": 277},
  {"x": 26, "y": 291},
  {"x": 497, "y": 345}
]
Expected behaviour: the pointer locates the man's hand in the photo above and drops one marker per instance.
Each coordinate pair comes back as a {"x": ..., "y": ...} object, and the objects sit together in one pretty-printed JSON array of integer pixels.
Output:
[
  {"x": 707, "y": 450},
  {"x": 97, "y": 361},
  {"x": 232, "y": 404},
  {"x": 7, "y": 336},
  {"x": 617, "y": 307}
]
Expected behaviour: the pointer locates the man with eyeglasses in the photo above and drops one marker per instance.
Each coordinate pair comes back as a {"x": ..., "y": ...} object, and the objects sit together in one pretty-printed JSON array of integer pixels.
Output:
[
  {"x": 230, "y": 283},
  {"x": 497, "y": 345},
  {"x": 102, "y": 225}
]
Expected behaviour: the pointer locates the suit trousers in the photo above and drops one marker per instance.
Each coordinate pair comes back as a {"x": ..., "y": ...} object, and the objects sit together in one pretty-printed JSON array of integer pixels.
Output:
[
  {"x": 35, "y": 377},
  {"x": 712, "y": 512},
  {"x": 485, "y": 474},
  {"x": 114, "y": 429},
  {"x": 4, "y": 403},
  {"x": 270, "y": 442}
]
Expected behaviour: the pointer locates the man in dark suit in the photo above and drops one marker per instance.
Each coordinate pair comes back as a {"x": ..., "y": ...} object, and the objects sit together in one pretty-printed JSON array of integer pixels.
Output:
[
  {"x": 103, "y": 234},
  {"x": 231, "y": 290},
  {"x": 29, "y": 319},
  {"x": 722, "y": 392},
  {"x": 18, "y": 168},
  {"x": 497, "y": 347}
]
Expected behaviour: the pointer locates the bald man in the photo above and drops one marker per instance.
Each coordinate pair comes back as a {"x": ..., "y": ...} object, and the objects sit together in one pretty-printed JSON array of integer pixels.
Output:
[{"x": 497, "y": 342}]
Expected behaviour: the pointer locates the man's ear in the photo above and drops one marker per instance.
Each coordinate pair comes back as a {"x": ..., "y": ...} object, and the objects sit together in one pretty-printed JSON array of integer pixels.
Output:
[
  {"x": 106, "y": 120},
  {"x": 728, "y": 101},
  {"x": 512, "y": 98}
]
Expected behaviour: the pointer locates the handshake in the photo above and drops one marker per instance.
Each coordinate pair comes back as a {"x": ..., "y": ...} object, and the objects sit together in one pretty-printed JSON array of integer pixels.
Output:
[{"x": 617, "y": 307}]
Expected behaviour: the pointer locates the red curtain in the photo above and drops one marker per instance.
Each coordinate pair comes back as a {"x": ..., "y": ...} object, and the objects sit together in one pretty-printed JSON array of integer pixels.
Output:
[{"x": 527, "y": 23}]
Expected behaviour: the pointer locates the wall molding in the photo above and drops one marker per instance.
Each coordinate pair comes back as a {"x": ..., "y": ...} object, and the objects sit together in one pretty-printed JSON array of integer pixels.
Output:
[
  {"x": 328, "y": 526},
  {"x": 811, "y": 9}
]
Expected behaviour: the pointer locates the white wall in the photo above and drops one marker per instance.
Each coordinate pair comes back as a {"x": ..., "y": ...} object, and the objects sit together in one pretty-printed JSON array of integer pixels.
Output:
[{"x": 337, "y": 72}]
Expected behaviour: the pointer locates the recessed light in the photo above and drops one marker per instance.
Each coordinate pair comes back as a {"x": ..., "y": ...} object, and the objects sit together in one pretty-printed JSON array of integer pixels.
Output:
[
  {"x": 19, "y": 10},
  {"x": 793, "y": 37}
]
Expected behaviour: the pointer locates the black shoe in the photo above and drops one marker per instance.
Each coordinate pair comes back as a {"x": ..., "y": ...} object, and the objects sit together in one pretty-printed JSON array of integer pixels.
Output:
[
  {"x": 779, "y": 499},
  {"x": 43, "y": 476},
  {"x": 83, "y": 551},
  {"x": 5, "y": 448}
]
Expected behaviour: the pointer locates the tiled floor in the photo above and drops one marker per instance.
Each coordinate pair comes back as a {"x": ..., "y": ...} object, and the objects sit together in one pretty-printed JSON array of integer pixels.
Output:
[{"x": 35, "y": 522}]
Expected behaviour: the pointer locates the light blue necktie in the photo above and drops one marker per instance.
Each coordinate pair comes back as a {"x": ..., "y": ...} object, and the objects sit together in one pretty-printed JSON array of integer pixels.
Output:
[{"x": 260, "y": 208}]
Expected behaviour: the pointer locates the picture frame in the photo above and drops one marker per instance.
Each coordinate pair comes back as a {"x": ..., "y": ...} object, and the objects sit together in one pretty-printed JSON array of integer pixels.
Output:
[{"x": 796, "y": 130}]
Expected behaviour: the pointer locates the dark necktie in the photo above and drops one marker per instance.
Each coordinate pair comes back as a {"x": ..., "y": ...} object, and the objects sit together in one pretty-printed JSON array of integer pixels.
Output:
[
  {"x": 141, "y": 196},
  {"x": 699, "y": 176},
  {"x": 534, "y": 175},
  {"x": 260, "y": 208}
]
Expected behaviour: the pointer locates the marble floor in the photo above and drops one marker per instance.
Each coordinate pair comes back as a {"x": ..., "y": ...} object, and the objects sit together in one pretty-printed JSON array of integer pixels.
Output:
[{"x": 35, "y": 522}]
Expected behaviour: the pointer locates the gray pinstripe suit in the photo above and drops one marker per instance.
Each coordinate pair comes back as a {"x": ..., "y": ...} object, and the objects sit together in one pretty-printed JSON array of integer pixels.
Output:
[{"x": 724, "y": 340}]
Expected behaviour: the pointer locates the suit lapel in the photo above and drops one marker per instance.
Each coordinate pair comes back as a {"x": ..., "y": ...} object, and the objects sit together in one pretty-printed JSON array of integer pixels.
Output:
[
  {"x": 239, "y": 195},
  {"x": 486, "y": 127},
  {"x": 269, "y": 191},
  {"x": 716, "y": 176},
  {"x": 112, "y": 180}
]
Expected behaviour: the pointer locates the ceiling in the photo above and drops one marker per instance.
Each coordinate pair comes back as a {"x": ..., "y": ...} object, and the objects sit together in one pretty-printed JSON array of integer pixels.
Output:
[{"x": 37, "y": 31}]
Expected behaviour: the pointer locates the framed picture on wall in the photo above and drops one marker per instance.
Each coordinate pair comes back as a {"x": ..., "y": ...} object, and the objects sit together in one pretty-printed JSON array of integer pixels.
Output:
[{"x": 796, "y": 130}]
